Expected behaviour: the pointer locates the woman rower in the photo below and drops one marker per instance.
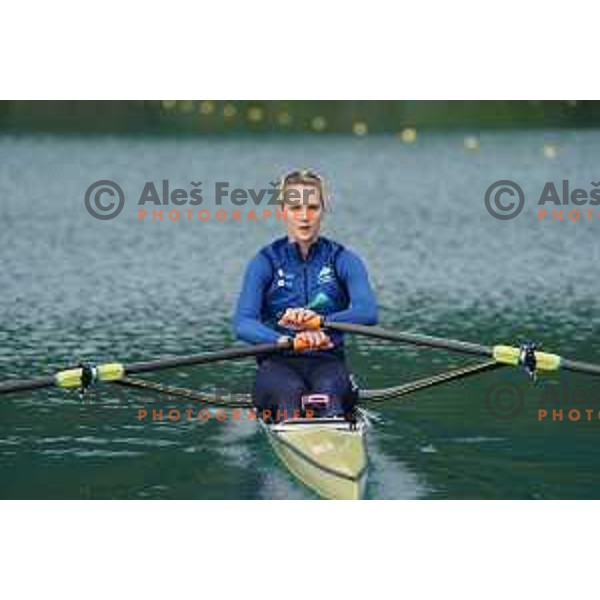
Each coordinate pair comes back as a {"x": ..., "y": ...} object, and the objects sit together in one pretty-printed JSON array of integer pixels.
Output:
[{"x": 290, "y": 289}]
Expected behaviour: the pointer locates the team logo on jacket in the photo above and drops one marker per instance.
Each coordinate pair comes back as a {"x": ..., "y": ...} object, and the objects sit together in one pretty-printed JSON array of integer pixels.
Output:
[{"x": 325, "y": 275}]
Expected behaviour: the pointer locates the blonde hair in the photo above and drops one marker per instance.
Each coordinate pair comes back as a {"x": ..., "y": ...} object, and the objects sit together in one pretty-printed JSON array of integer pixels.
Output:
[{"x": 304, "y": 177}]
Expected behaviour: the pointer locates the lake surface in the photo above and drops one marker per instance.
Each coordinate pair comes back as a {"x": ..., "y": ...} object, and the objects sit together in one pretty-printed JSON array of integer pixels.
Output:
[{"x": 76, "y": 288}]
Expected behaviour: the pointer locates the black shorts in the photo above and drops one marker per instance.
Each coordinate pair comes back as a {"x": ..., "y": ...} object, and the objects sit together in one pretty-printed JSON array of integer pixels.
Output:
[{"x": 281, "y": 381}]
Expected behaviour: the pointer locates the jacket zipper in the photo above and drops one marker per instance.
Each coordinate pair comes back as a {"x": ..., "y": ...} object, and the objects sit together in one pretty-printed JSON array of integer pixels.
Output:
[{"x": 305, "y": 279}]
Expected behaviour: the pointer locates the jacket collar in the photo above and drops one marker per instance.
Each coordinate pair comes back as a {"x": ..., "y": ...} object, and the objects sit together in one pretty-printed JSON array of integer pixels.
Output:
[{"x": 293, "y": 250}]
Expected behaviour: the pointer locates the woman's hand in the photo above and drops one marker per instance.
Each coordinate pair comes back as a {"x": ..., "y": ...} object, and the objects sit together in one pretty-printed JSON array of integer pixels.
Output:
[
  {"x": 312, "y": 340},
  {"x": 301, "y": 319}
]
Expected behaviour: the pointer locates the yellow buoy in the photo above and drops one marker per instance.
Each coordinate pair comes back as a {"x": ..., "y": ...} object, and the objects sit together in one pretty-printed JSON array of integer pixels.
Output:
[
  {"x": 471, "y": 142},
  {"x": 551, "y": 150},
  {"x": 408, "y": 135},
  {"x": 207, "y": 107},
  {"x": 255, "y": 114},
  {"x": 319, "y": 123},
  {"x": 360, "y": 128},
  {"x": 284, "y": 118}
]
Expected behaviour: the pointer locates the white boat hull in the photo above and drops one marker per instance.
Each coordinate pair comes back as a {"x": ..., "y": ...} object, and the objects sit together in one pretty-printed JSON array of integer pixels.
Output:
[{"x": 327, "y": 455}]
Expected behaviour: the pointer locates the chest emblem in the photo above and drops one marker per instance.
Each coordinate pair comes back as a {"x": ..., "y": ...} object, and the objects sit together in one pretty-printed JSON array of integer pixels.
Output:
[{"x": 325, "y": 275}]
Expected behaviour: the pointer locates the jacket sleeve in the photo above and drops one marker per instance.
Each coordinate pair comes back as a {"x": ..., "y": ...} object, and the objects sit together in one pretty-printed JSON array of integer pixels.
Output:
[
  {"x": 363, "y": 304},
  {"x": 247, "y": 320}
]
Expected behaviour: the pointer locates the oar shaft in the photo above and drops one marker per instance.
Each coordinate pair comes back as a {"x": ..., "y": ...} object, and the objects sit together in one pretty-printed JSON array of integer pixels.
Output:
[
  {"x": 22, "y": 385},
  {"x": 71, "y": 378},
  {"x": 579, "y": 367},
  {"x": 413, "y": 338},
  {"x": 502, "y": 354},
  {"x": 199, "y": 359}
]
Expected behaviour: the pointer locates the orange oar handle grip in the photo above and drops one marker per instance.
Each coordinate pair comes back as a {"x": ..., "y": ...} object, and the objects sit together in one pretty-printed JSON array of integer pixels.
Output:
[
  {"x": 300, "y": 344},
  {"x": 314, "y": 324}
]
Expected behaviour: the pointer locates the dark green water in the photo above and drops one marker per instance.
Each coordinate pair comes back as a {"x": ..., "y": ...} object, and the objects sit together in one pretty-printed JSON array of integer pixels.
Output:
[{"x": 74, "y": 288}]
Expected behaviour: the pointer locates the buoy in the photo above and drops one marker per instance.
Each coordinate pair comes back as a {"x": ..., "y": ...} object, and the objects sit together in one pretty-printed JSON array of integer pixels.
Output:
[
  {"x": 255, "y": 114},
  {"x": 319, "y": 123},
  {"x": 551, "y": 150},
  {"x": 207, "y": 107},
  {"x": 471, "y": 142},
  {"x": 284, "y": 118},
  {"x": 409, "y": 135},
  {"x": 360, "y": 128}
]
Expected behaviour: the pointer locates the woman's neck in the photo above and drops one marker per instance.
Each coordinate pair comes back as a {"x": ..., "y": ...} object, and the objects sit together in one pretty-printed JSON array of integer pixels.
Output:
[{"x": 304, "y": 247}]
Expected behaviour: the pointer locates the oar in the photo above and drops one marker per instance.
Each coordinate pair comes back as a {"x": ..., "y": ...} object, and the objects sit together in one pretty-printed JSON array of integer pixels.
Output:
[
  {"x": 80, "y": 377},
  {"x": 508, "y": 355}
]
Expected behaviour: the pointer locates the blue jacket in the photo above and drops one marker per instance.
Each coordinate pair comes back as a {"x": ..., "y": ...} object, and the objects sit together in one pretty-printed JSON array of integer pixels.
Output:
[{"x": 332, "y": 281}]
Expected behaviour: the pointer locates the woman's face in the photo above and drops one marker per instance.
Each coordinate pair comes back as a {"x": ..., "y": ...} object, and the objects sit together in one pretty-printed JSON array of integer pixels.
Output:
[{"x": 303, "y": 210}]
